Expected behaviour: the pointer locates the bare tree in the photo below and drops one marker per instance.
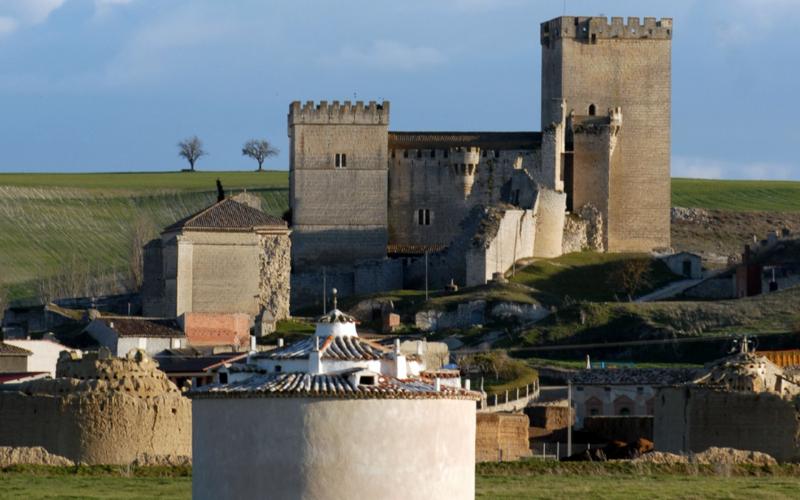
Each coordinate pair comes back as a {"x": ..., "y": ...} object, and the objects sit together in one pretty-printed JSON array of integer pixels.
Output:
[
  {"x": 631, "y": 276},
  {"x": 142, "y": 230},
  {"x": 259, "y": 150},
  {"x": 192, "y": 150}
]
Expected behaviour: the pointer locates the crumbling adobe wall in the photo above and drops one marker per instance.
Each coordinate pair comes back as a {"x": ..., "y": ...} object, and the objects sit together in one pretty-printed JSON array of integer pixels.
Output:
[
  {"x": 692, "y": 419},
  {"x": 275, "y": 265},
  {"x": 501, "y": 436},
  {"x": 99, "y": 410}
]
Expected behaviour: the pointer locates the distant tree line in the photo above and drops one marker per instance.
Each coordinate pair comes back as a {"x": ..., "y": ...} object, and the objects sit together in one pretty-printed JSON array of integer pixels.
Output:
[{"x": 258, "y": 149}]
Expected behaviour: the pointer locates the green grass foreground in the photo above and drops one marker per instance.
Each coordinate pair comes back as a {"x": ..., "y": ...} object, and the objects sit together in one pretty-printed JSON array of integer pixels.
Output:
[{"x": 527, "y": 479}]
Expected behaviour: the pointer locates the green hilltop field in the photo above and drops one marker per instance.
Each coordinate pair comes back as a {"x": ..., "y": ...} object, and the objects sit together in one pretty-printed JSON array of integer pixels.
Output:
[{"x": 50, "y": 221}]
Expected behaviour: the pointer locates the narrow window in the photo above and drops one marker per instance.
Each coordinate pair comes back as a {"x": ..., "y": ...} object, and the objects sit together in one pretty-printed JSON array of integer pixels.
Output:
[
  {"x": 594, "y": 37},
  {"x": 278, "y": 368},
  {"x": 420, "y": 216},
  {"x": 497, "y": 153},
  {"x": 484, "y": 153},
  {"x": 427, "y": 217},
  {"x": 338, "y": 160},
  {"x": 433, "y": 153},
  {"x": 223, "y": 378},
  {"x": 419, "y": 153},
  {"x": 367, "y": 380},
  {"x": 592, "y": 110},
  {"x": 393, "y": 153},
  {"x": 405, "y": 153},
  {"x": 446, "y": 153},
  {"x": 344, "y": 160}
]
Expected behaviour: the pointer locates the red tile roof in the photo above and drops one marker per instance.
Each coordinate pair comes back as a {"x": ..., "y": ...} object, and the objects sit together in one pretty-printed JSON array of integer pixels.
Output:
[
  {"x": 12, "y": 350},
  {"x": 143, "y": 327},
  {"x": 228, "y": 215}
]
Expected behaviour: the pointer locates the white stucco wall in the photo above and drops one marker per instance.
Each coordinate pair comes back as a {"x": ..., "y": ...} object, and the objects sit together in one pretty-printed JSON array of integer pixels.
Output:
[
  {"x": 301, "y": 448},
  {"x": 45, "y": 354}
]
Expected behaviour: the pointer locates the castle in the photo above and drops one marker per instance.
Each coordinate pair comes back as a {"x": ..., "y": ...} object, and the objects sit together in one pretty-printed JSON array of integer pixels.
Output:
[{"x": 360, "y": 193}]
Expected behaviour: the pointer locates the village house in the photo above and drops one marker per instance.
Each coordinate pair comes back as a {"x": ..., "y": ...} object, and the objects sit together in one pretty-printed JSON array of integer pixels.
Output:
[
  {"x": 121, "y": 334},
  {"x": 44, "y": 354},
  {"x": 190, "y": 367}
]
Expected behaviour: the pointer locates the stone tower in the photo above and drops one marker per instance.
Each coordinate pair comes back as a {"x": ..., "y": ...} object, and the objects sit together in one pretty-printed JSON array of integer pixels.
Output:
[
  {"x": 598, "y": 68},
  {"x": 338, "y": 181}
]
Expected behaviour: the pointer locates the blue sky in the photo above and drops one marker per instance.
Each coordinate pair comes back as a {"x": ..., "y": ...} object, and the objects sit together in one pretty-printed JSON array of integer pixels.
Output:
[{"x": 112, "y": 85}]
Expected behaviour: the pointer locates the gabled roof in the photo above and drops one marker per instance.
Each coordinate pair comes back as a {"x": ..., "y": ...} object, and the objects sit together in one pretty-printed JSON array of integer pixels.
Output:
[
  {"x": 228, "y": 215},
  {"x": 338, "y": 348},
  {"x": 127, "y": 326},
  {"x": 12, "y": 350},
  {"x": 331, "y": 385},
  {"x": 636, "y": 376},
  {"x": 184, "y": 364}
]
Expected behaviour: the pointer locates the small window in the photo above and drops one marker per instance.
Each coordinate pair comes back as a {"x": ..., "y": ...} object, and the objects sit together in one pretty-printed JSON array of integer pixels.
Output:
[
  {"x": 405, "y": 153},
  {"x": 223, "y": 378},
  {"x": 594, "y": 412},
  {"x": 624, "y": 411},
  {"x": 367, "y": 380},
  {"x": 420, "y": 216},
  {"x": 278, "y": 368},
  {"x": 433, "y": 153},
  {"x": 427, "y": 217},
  {"x": 424, "y": 217},
  {"x": 592, "y": 110},
  {"x": 393, "y": 153},
  {"x": 419, "y": 153},
  {"x": 484, "y": 153},
  {"x": 340, "y": 160},
  {"x": 497, "y": 153},
  {"x": 446, "y": 153},
  {"x": 594, "y": 37}
]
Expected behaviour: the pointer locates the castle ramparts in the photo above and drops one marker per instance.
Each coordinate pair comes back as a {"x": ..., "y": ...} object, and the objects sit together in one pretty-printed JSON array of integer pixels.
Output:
[
  {"x": 336, "y": 113},
  {"x": 591, "y": 29}
]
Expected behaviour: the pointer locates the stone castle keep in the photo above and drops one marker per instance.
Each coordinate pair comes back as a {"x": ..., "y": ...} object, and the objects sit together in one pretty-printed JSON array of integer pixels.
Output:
[{"x": 360, "y": 192}]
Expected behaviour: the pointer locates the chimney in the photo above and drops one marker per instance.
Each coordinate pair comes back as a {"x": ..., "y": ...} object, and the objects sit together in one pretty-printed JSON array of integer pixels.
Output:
[
  {"x": 437, "y": 384},
  {"x": 252, "y": 343},
  {"x": 467, "y": 384},
  {"x": 220, "y": 191},
  {"x": 280, "y": 342}
]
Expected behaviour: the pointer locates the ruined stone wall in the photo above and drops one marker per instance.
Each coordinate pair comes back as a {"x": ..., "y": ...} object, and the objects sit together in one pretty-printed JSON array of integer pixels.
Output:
[
  {"x": 99, "y": 411},
  {"x": 425, "y": 179},
  {"x": 692, "y": 419},
  {"x": 501, "y": 436},
  {"x": 338, "y": 213},
  {"x": 589, "y": 61},
  {"x": 275, "y": 266},
  {"x": 506, "y": 236},
  {"x": 550, "y": 213}
]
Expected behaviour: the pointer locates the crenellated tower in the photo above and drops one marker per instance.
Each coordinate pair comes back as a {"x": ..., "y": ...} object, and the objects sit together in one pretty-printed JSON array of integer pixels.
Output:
[
  {"x": 338, "y": 181},
  {"x": 597, "y": 67}
]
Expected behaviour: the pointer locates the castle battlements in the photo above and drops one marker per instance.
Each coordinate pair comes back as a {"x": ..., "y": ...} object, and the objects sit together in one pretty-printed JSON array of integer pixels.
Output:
[
  {"x": 344, "y": 113},
  {"x": 591, "y": 29}
]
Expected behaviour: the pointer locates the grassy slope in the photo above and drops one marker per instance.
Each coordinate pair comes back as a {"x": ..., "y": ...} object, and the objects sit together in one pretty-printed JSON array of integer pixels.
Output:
[
  {"x": 42, "y": 229},
  {"x": 582, "y": 276},
  {"x": 742, "y": 196}
]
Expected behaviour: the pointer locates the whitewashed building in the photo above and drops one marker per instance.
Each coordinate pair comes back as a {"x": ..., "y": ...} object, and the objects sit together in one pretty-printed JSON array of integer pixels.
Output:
[{"x": 333, "y": 416}]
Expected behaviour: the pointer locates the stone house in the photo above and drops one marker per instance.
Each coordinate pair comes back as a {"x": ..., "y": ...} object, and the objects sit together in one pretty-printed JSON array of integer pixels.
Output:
[
  {"x": 121, "y": 334},
  {"x": 622, "y": 391},
  {"x": 13, "y": 359},
  {"x": 228, "y": 258}
]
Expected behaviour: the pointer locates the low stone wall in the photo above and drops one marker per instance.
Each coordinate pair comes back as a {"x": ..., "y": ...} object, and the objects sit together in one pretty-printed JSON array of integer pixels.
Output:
[
  {"x": 501, "y": 437},
  {"x": 693, "y": 419},
  {"x": 100, "y": 410},
  {"x": 616, "y": 428}
]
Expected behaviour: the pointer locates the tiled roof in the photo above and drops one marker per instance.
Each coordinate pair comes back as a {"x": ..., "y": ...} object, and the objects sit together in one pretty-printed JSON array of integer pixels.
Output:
[
  {"x": 403, "y": 249},
  {"x": 182, "y": 364},
  {"x": 143, "y": 327},
  {"x": 12, "y": 350},
  {"x": 339, "y": 348},
  {"x": 333, "y": 385},
  {"x": 488, "y": 140},
  {"x": 636, "y": 376},
  {"x": 440, "y": 373},
  {"x": 228, "y": 215}
]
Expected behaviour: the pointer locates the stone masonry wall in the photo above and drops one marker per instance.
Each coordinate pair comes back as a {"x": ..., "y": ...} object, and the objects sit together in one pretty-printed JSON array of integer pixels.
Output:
[
  {"x": 275, "y": 265},
  {"x": 631, "y": 70},
  {"x": 508, "y": 237},
  {"x": 692, "y": 419},
  {"x": 100, "y": 410}
]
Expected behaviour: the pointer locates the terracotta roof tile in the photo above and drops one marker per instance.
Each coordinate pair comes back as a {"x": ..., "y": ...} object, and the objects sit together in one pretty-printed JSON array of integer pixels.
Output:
[
  {"x": 333, "y": 385},
  {"x": 332, "y": 348},
  {"x": 143, "y": 327},
  {"x": 228, "y": 215}
]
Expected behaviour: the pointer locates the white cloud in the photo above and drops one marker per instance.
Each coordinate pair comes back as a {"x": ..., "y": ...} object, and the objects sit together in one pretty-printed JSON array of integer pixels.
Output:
[
  {"x": 706, "y": 168},
  {"x": 7, "y": 25},
  {"x": 386, "y": 55}
]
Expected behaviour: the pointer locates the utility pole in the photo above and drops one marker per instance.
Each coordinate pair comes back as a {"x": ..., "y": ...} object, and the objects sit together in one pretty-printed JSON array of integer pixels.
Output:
[
  {"x": 426, "y": 276},
  {"x": 569, "y": 428}
]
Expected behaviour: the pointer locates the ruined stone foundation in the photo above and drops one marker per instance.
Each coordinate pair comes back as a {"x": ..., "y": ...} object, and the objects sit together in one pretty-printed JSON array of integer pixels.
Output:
[{"x": 99, "y": 410}]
